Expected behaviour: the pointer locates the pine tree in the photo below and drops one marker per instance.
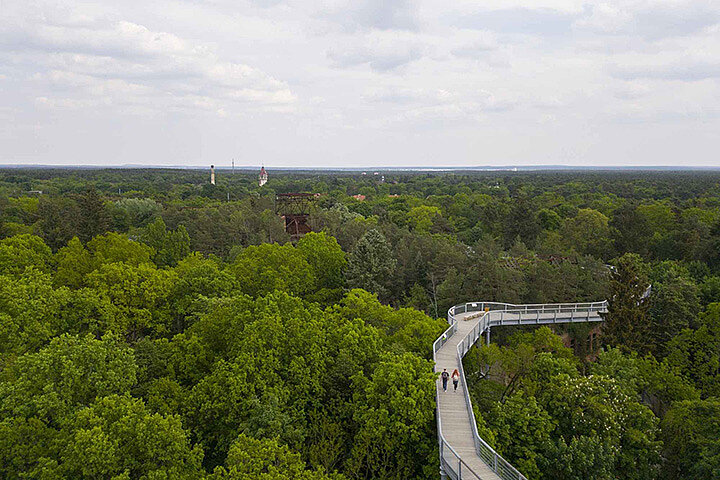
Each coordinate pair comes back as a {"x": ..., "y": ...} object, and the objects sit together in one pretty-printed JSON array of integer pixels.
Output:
[
  {"x": 627, "y": 324},
  {"x": 371, "y": 264},
  {"x": 94, "y": 219}
]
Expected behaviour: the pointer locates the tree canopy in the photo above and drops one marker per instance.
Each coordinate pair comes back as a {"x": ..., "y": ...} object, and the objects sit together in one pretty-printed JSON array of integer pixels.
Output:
[{"x": 155, "y": 326}]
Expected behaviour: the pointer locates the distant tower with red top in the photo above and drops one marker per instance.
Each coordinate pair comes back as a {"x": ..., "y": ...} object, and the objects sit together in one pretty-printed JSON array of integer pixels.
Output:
[{"x": 263, "y": 177}]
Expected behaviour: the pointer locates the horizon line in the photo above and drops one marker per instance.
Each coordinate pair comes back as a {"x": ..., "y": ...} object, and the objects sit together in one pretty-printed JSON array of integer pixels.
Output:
[{"x": 373, "y": 169}]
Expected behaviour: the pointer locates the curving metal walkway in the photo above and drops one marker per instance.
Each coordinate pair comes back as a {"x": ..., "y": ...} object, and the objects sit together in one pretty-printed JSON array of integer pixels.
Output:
[{"x": 463, "y": 454}]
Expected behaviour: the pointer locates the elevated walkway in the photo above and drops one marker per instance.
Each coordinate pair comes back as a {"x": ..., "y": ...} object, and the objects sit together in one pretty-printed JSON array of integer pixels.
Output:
[{"x": 463, "y": 454}]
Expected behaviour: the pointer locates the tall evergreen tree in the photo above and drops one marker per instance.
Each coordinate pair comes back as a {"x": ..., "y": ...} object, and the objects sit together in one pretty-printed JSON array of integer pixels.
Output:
[
  {"x": 627, "y": 324},
  {"x": 371, "y": 264},
  {"x": 674, "y": 305},
  {"x": 94, "y": 219},
  {"x": 521, "y": 222},
  {"x": 630, "y": 230}
]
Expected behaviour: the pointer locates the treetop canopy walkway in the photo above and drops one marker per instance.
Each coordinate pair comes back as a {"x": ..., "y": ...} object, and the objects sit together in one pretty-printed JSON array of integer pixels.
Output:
[{"x": 463, "y": 454}]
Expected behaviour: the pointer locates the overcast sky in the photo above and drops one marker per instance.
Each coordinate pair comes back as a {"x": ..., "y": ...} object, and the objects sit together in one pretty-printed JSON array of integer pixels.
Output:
[{"x": 360, "y": 83}]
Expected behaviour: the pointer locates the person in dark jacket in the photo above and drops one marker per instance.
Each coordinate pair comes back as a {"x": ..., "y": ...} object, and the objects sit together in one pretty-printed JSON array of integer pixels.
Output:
[{"x": 445, "y": 375}]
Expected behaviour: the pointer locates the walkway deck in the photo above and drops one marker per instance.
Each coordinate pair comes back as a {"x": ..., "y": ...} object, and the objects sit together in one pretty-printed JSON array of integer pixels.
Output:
[
  {"x": 460, "y": 447},
  {"x": 452, "y": 408}
]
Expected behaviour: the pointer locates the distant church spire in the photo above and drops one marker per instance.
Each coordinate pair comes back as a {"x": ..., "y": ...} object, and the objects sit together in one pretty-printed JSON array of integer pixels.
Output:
[{"x": 263, "y": 177}]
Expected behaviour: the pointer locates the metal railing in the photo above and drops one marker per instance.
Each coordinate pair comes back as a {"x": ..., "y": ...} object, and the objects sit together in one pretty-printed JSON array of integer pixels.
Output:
[{"x": 492, "y": 314}]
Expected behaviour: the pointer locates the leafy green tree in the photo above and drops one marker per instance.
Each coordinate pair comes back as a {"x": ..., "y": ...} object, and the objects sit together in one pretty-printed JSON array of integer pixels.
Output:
[
  {"x": 325, "y": 257},
  {"x": 74, "y": 262},
  {"x": 710, "y": 251},
  {"x": 657, "y": 383},
  {"x": 138, "y": 297},
  {"x": 618, "y": 433},
  {"x": 113, "y": 248},
  {"x": 198, "y": 279},
  {"x": 404, "y": 329},
  {"x": 522, "y": 433},
  {"x": 691, "y": 432},
  {"x": 582, "y": 457},
  {"x": 490, "y": 278},
  {"x": 395, "y": 414},
  {"x": 138, "y": 212},
  {"x": 371, "y": 264},
  {"x": 522, "y": 364},
  {"x": 118, "y": 436},
  {"x": 659, "y": 216},
  {"x": 262, "y": 395},
  {"x": 588, "y": 232},
  {"x": 419, "y": 299},
  {"x": 421, "y": 218},
  {"x": 710, "y": 290},
  {"x": 346, "y": 226},
  {"x": 31, "y": 312},
  {"x": 10, "y": 229},
  {"x": 170, "y": 246},
  {"x": 696, "y": 353},
  {"x": 264, "y": 268},
  {"x": 22, "y": 251},
  {"x": 549, "y": 219},
  {"x": 66, "y": 375},
  {"x": 265, "y": 459}
]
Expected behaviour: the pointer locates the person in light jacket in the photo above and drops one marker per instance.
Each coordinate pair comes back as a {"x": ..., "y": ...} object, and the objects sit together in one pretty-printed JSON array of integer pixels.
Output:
[{"x": 455, "y": 379}]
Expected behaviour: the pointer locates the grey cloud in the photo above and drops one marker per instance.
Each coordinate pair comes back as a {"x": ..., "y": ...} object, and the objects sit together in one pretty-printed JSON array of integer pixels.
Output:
[
  {"x": 651, "y": 22},
  {"x": 266, "y": 3},
  {"x": 529, "y": 21},
  {"x": 687, "y": 72},
  {"x": 386, "y": 15},
  {"x": 374, "y": 14},
  {"x": 405, "y": 96},
  {"x": 473, "y": 50},
  {"x": 665, "y": 22},
  {"x": 380, "y": 61},
  {"x": 121, "y": 39},
  {"x": 125, "y": 63},
  {"x": 418, "y": 103}
]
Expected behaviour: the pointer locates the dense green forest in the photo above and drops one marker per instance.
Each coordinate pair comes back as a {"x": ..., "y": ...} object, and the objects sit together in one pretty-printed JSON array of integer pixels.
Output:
[{"x": 154, "y": 326}]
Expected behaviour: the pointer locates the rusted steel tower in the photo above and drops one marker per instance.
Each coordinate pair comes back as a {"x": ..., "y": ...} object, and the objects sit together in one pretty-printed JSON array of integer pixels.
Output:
[{"x": 295, "y": 209}]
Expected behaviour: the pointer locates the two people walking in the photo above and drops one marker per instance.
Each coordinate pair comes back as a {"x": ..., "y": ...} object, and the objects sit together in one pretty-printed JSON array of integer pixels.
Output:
[{"x": 455, "y": 379}]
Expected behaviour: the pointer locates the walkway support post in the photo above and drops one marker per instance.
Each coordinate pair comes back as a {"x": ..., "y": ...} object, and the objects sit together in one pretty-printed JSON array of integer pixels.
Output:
[{"x": 487, "y": 336}]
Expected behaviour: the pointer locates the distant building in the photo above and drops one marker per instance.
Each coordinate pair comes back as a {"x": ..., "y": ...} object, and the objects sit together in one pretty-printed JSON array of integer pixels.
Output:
[
  {"x": 360, "y": 197},
  {"x": 212, "y": 174},
  {"x": 263, "y": 177}
]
